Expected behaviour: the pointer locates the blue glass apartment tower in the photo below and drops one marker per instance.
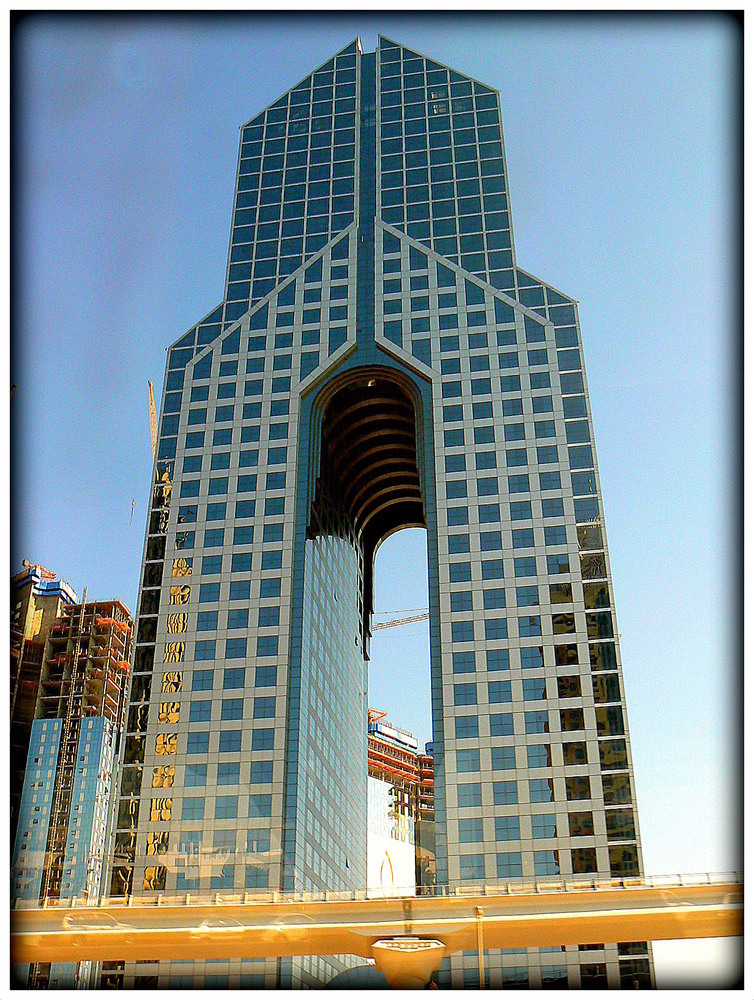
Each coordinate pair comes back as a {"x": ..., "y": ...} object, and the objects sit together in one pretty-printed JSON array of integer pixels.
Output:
[{"x": 378, "y": 360}]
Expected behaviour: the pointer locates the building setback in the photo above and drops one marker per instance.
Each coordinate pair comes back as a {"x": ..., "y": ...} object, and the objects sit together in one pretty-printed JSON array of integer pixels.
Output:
[
  {"x": 378, "y": 360},
  {"x": 66, "y": 801}
]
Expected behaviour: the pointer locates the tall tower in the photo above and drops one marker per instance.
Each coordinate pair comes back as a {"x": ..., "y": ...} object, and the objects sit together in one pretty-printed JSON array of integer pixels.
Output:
[{"x": 378, "y": 360}]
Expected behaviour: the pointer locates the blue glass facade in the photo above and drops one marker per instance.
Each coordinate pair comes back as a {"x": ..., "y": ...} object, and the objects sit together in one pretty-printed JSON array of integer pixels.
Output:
[
  {"x": 379, "y": 360},
  {"x": 87, "y": 824}
]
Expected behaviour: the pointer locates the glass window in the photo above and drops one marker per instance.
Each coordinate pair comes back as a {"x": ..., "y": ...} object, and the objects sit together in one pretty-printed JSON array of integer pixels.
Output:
[
  {"x": 505, "y": 793},
  {"x": 541, "y": 790},
  {"x": 498, "y": 659},
  {"x": 464, "y": 663},
  {"x": 493, "y": 600},
  {"x": 489, "y": 512},
  {"x": 267, "y": 645},
  {"x": 521, "y": 510},
  {"x": 194, "y": 775},
  {"x": 263, "y": 739},
  {"x": 577, "y": 788},
  {"x": 232, "y": 709},
  {"x": 472, "y": 867},
  {"x": 532, "y": 657},
  {"x": 260, "y": 806},
  {"x": 458, "y": 543},
  {"x": 235, "y": 648},
  {"x": 525, "y": 566},
  {"x": 264, "y": 708},
  {"x": 206, "y": 621},
  {"x": 228, "y": 773},
  {"x": 539, "y": 756},
  {"x": 233, "y": 677},
  {"x": 546, "y": 863},
  {"x": 201, "y": 680},
  {"x": 467, "y": 761},
  {"x": 197, "y": 743},
  {"x": 535, "y": 688},
  {"x": 261, "y": 772},
  {"x": 230, "y": 741},
  {"x": 200, "y": 711},
  {"x": 457, "y": 516},
  {"x": 499, "y": 692},
  {"x": 226, "y": 807},
  {"x": 265, "y": 676},
  {"x": 492, "y": 569},
  {"x": 543, "y": 825},
  {"x": 561, "y": 593},
  {"x": 269, "y": 588},
  {"x": 509, "y": 865},
  {"x": 501, "y": 724},
  {"x": 460, "y": 572},
  {"x": 469, "y": 794},
  {"x": 211, "y": 565},
  {"x": 583, "y": 860},
  {"x": 464, "y": 694},
  {"x": 490, "y": 541},
  {"x": 471, "y": 831},
  {"x": 204, "y": 649},
  {"x": 527, "y": 596},
  {"x": 537, "y": 722},
  {"x": 462, "y": 631},
  {"x": 558, "y": 563},
  {"x": 467, "y": 727},
  {"x": 193, "y": 808},
  {"x": 507, "y": 827}
]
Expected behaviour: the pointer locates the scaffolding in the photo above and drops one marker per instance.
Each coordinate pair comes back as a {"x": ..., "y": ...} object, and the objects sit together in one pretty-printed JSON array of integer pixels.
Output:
[
  {"x": 411, "y": 773},
  {"x": 84, "y": 675}
]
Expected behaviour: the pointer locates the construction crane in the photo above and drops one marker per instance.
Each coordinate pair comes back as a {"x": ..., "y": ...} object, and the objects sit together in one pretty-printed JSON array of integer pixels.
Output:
[
  {"x": 402, "y": 621},
  {"x": 152, "y": 420}
]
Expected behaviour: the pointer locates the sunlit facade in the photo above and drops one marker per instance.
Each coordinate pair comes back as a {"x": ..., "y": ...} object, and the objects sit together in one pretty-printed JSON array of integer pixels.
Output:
[{"x": 378, "y": 360}]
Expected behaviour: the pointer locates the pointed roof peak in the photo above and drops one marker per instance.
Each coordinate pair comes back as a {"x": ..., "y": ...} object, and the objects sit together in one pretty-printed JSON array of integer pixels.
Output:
[{"x": 435, "y": 64}]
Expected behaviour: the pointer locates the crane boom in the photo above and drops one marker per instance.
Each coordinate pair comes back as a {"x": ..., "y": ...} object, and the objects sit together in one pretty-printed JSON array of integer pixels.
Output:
[
  {"x": 402, "y": 621},
  {"x": 152, "y": 419}
]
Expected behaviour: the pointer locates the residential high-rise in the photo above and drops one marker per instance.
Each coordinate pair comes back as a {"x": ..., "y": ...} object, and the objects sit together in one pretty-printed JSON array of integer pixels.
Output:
[
  {"x": 66, "y": 801},
  {"x": 36, "y": 599},
  {"x": 394, "y": 759},
  {"x": 378, "y": 360},
  {"x": 401, "y": 809}
]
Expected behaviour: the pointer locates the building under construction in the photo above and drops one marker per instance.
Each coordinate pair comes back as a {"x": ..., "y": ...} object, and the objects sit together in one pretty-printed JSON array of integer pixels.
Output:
[
  {"x": 37, "y": 598},
  {"x": 394, "y": 758},
  {"x": 66, "y": 798}
]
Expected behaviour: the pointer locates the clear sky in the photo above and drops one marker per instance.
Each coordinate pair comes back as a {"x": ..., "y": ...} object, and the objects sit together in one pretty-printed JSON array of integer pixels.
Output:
[{"x": 622, "y": 142}]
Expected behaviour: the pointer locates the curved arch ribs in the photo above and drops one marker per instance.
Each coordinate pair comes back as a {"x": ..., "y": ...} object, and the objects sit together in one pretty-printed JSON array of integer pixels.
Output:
[{"x": 368, "y": 465}]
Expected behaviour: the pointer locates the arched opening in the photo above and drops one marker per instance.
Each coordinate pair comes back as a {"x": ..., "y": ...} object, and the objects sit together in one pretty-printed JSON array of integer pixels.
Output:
[
  {"x": 399, "y": 677},
  {"x": 370, "y": 467},
  {"x": 366, "y": 487}
]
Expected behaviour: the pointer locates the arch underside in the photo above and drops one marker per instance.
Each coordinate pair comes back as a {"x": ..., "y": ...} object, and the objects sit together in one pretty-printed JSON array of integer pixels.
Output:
[{"x": 369, "y": 484}]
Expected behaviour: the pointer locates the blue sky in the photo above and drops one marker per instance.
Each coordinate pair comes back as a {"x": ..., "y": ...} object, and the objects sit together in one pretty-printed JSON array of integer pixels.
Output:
[{"x": 622, "y": 137}]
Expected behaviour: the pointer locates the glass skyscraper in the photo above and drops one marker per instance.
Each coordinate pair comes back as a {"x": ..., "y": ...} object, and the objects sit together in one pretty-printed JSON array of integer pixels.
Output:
[{"x": 378, "y": 360}]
